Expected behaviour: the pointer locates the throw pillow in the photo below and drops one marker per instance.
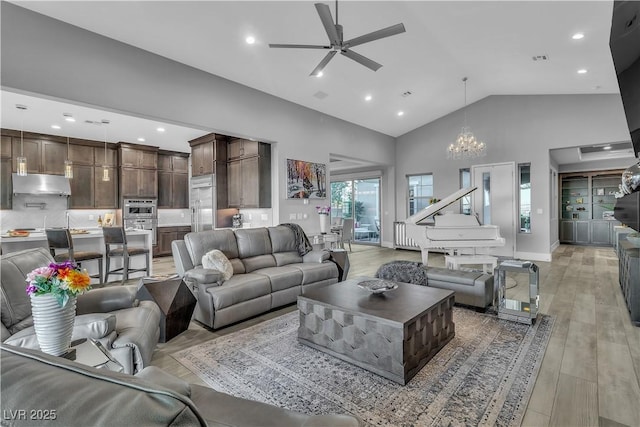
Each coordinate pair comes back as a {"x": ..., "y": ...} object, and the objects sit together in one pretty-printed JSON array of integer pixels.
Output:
[{"x": 217, "y": 260}]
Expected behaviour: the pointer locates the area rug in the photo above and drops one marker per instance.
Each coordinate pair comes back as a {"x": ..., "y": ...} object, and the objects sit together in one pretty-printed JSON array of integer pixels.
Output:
[{"x": 484, "y": 376}]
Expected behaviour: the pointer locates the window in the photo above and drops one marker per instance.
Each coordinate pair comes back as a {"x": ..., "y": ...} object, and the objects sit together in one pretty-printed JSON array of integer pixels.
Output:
[
  {"x": 420, "y": 192},
  {"x": 524, "y": 173},
  {"x": 465, "y": 182}
]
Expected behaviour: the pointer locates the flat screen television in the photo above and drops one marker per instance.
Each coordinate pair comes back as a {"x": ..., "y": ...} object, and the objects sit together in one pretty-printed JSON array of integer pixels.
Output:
[{"x": 624, "y": 43}]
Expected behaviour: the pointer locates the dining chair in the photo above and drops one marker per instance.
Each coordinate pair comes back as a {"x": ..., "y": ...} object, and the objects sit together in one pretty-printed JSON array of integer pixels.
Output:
[
  {"x": 60, "y": 238},
  {"x": 347, "y": 232},
  {"x": 115, "y": 242}
]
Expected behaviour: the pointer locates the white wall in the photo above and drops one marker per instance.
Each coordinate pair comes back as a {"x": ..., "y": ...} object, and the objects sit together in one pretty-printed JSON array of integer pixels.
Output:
[
  {"x": 49, "y": 58},
  {"x": 516, "y": 128}
]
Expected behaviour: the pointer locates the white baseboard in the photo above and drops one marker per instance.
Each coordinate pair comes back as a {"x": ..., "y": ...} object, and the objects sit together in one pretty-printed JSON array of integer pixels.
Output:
[
  {"x": 534, "y": 256},
  {"x": 555, "y": 245}
]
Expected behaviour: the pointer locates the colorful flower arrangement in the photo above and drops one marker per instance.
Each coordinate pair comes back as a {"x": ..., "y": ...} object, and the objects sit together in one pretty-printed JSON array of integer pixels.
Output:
[
  {"x": 63, "y": 281},
  {"x": 323, "y": 210}
]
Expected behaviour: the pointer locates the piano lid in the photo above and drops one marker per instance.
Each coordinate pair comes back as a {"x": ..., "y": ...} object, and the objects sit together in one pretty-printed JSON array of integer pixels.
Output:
[{"x": 437, "y": 207}]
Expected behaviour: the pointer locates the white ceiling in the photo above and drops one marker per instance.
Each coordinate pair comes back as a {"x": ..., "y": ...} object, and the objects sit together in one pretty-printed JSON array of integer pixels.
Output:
[{"x": 490, "y": 42}]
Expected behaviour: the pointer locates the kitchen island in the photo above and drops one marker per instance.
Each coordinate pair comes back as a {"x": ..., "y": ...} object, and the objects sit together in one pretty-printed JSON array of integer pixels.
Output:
[{"x": 89, "y": 239}]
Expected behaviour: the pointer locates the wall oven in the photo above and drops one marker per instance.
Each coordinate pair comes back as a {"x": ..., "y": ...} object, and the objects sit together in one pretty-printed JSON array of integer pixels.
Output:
[
  {"x": 139, "y": 208},
  {"x": 141, "y": 214}
]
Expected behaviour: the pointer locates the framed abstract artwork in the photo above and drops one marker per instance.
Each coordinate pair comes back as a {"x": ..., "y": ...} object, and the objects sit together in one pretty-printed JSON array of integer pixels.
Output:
[{"x": 306, "y": 180}]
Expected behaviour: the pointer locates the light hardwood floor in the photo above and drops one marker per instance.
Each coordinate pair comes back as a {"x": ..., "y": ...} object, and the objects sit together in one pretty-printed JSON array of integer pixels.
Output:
[{"x": 591, "y": 370}]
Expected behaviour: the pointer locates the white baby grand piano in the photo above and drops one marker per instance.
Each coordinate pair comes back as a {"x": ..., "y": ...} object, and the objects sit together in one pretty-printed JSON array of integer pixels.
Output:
[{"x": 451, "y": 231}]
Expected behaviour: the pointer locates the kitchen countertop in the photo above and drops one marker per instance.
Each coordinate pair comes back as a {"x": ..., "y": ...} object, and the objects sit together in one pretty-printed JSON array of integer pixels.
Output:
[{"x": 39, "y": 234}]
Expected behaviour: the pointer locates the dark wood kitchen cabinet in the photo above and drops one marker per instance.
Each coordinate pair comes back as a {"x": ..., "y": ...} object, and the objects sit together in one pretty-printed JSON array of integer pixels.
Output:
[
  {"x": 208, "y": 154},
  {"x": 82, "y": 187},
  {"x": 43, "y": 155},
  {"x": 105, "y": 192},
  {"x": 138, "y": 157},
  {"x": 166, "y": 235},
  {"x": 239, "y": 148},
  {"x": 6, "y": 188},
  {"x": 138, "y": 170},
  {"x": 138, "y": 182},
  {"x": 249, "y": 179},
  {"x": 173, "y": 180}
]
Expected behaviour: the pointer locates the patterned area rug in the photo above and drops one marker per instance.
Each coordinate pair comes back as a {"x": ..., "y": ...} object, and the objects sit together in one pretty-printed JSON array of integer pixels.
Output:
[{"x": 484, "y": 376}]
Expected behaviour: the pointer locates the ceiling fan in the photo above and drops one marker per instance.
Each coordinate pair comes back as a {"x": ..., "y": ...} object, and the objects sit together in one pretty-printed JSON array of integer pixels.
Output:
[{"x": 337, "y": 44}]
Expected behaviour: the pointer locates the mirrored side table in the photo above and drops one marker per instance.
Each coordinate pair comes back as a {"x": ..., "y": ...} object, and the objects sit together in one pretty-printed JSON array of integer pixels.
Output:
[{"x": 517, "y": 311}]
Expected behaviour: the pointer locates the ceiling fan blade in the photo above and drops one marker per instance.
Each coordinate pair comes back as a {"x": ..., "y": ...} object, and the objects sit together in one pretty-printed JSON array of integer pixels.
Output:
[
  {"x": 373, "y": 65},
  {"x": 323, "y": 63},
  {"x": 327, "y": 21},
  {"x": 299, "y": 46},
  {"x": 376, "y": 35}
]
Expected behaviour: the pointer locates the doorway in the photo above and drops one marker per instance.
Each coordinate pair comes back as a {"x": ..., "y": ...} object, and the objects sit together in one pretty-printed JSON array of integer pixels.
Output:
[
  {"x": 358, "y": 199},
  {"x": 494, "y": 202}
]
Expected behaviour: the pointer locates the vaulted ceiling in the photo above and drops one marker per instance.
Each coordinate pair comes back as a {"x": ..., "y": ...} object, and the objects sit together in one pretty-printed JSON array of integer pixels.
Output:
[{"x": 503, "y": 47}]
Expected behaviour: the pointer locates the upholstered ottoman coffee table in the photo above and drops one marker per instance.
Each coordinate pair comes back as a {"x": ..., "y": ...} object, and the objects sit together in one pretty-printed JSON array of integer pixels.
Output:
[{"x": 393, "y": 334}]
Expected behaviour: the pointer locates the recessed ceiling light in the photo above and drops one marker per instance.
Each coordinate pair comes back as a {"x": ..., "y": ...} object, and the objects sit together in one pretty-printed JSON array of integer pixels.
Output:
[
  {"x": 400, "y": 113},
  {"x": 582, "y": 71},
  {"x": 250, "y": 40},
  {"x": 320, "y": 74},
  {"x": 577, "y": 36},
  {"x": 606, "y": 147},
  {"x": 55, "y": 126},
  {"x": 368, "y": 98},
  {"x": 68, "y": 117},
  {"x": 160, "y": 129},
  {"x": 141, "y": 139}
]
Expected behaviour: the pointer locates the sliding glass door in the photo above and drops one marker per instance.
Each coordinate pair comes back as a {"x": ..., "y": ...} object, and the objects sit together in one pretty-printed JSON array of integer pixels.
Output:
[{"x": 358, "y": 199}]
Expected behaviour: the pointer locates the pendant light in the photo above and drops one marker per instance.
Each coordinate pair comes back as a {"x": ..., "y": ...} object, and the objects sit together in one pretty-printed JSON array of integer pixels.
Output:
[
  {"x": 105, "y": 167},
  {"x": 68, "y": 164},
  {"x": 22, "y": 161},
  {"x": 466, "y": 145}
]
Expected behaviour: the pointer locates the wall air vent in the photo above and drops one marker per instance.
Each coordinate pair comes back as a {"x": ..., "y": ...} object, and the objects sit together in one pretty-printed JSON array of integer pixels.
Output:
[
  {"x": 407, "y": 93},
  {"x": 540, "y": 57}
]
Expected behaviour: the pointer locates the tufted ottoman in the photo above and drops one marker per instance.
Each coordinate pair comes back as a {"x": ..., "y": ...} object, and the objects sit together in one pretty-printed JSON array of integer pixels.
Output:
[{"x": 393, "y": 334}]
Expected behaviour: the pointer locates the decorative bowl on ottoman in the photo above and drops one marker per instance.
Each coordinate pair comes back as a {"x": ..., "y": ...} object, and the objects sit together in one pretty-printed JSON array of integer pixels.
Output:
[{"x": 377, "y": 286}]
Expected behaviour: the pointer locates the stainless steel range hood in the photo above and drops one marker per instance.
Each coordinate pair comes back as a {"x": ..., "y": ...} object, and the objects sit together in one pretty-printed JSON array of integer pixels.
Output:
[{"x": 39, "y": 184}]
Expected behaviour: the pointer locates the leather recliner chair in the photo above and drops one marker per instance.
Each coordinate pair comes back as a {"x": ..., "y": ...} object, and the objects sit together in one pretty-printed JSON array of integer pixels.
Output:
[{"x": 129, "y": 329}]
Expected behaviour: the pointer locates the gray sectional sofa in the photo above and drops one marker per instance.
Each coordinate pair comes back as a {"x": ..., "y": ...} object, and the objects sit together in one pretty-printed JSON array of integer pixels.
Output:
[
  {"x": 38, "y": 389},
  {"x": 268, "y": 272}
]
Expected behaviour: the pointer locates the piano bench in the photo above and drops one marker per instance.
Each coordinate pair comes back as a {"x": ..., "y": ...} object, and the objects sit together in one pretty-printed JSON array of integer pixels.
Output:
[{"x": 474, "y": 288}]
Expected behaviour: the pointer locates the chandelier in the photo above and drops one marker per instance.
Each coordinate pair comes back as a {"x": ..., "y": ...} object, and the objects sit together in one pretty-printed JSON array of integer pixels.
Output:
[{"x": 466, "y": 145}]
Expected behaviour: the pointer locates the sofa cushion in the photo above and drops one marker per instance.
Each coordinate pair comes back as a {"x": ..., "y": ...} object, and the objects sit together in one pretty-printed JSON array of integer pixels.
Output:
[
  {"x": 253, "y": 242},
  {"x": 217, "y": 260},
  {"x": 315, "y": 272},
  {"x": 254, "y": 263},
  {"x": 239, "y": 288},
  {"x": 438, "y": 274},
  {"x": 286, "y": 258},
  {"x": 281, "y": 277},
  {"x": 15, "y": 305},
  {"x": 201, "y": 242},
  {"x": 283, "y": 239}
]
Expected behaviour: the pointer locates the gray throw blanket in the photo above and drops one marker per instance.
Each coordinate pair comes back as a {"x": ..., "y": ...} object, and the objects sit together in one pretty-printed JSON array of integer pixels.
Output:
[{"x": 302, "y": 241}]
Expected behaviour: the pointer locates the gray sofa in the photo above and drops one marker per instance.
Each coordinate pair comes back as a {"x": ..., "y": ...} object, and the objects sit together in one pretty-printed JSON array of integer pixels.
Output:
[
  {"x": 268, "y": 272},
  {"x": 39, "y": 389},
  {"x": 127, "y": 328},
  {"x": 473, "y": 288}
]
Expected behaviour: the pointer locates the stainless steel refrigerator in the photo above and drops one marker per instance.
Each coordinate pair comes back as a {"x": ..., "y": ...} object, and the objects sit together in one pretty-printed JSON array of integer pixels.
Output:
[{"x": 203, "y": 202}]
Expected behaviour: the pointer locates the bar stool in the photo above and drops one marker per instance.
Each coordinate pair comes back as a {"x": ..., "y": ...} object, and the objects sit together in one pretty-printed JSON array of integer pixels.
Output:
[
  {"x": 60, "y": 238},
  {"x": 116, "y": 236}
]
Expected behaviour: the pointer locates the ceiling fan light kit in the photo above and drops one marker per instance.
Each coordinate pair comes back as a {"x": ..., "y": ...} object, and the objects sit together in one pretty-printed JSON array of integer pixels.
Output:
[{"x": 337, "y": 44}]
